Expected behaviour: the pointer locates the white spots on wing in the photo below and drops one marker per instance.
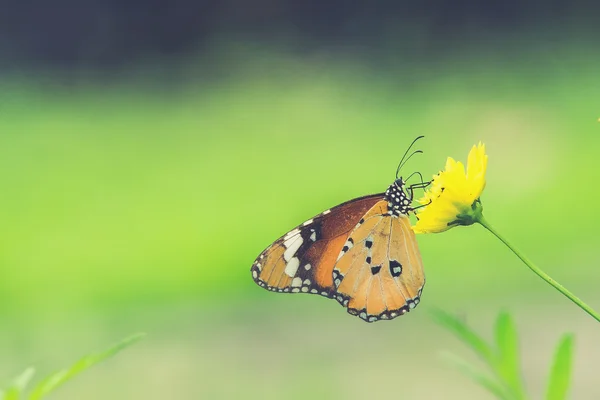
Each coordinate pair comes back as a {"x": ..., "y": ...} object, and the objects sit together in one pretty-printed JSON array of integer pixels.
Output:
[
  {"x": 325, "y": 212},
  {"x": 292, "y": 245},
  {"x": 287, "y": 243},
  {"x": 310, "y": 221},
  {"x": 307, "y": 267},
  {"x": 337, "y": 278},
  {"x": 313, "y": 236},
  {"x": 292, "y": 267},
  {"x": 290, "y": 234},
  {"x": 258, "y": 266},
  {"x": 254, "y": 274},
  {"x": 298, "y": 285}
]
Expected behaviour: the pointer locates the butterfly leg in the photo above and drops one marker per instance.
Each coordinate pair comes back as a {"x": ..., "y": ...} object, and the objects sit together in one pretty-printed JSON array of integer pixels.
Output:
[
  {"x": 421, "y": 185},
  {"x": 413, "y": 209}
]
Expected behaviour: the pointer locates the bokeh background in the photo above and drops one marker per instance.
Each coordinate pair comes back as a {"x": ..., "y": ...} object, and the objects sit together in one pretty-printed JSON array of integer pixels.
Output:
[{"x": 149, "y": 150}]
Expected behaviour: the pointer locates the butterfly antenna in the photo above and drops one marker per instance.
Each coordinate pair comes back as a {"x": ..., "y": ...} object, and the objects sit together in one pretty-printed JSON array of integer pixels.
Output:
[
  {"x": 404, "y": 158},
  {"x": 404, "y": 161},
  {"x": 413, "y": 174}
]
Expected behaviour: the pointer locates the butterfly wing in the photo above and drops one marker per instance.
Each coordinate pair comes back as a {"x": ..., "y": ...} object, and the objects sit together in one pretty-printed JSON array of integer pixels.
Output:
[
  {"x": 379, "y": 274},
  {"x": 302, "y": 260}
]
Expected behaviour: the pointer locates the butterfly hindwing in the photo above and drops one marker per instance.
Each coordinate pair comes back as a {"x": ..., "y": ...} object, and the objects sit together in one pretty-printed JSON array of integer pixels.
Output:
[
  {"x": 381, "y": 275},
  {"x": 406, "y": 264},
  {"x": 302, "y": 260}
]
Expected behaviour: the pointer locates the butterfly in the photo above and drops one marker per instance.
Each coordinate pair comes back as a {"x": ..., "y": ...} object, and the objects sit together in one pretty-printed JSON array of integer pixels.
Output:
[{"x": 362, "y": 253}]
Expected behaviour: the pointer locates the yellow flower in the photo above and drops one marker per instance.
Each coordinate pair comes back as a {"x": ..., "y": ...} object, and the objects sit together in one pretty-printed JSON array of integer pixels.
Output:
[{"x": 453, "y": 198}]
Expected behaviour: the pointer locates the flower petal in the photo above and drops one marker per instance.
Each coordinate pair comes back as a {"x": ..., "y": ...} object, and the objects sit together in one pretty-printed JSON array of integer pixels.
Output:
[
  {"x": 452, "y": 192},
  {"x": 476, "y": 169}
]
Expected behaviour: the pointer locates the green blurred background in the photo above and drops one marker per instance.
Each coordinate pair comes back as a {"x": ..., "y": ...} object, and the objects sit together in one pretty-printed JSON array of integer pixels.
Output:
[{"x": 149, "y": 152}]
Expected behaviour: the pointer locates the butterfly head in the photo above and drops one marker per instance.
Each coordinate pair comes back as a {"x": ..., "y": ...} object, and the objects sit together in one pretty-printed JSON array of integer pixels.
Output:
[{"x": 398, "y": 200}]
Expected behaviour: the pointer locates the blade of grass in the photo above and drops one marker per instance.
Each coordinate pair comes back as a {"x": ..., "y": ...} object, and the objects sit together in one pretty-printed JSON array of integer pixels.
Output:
[
  {"x": 17, "y": 387},
  {"x": 55, "y": 380},
  {"x": 466, "y": 335},
  {"x": 494, "y": 387},
  {"x": 507, "y": 365},
  {"x": 560, "y": 373}
]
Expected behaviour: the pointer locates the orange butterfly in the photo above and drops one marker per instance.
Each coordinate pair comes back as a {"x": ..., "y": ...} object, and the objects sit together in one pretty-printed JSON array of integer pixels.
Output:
[{"x": 363, "y": 253}]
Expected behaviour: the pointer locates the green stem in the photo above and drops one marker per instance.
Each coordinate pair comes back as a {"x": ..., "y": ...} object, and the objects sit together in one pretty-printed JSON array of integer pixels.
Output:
[{"x": 538, "y": 271}]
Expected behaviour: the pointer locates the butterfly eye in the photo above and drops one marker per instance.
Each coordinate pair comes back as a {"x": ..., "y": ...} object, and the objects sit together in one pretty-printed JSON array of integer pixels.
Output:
[{"x": 399, "y": 182}]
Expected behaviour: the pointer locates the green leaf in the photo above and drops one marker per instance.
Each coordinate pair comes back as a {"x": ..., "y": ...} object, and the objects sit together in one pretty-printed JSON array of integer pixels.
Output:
[
  {"x": 55, "y": 380},
  {"x": 507, "y": 364},
  {"x": 465, "y": 334},
  {"x": 18, "y": 385},
  {"x": 560, "y": 373},
  {"x": 496, "y": 388}
]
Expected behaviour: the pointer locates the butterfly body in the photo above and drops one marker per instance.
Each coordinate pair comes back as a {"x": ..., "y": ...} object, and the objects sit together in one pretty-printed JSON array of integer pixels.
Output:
[{"x": 363, "y": 253}]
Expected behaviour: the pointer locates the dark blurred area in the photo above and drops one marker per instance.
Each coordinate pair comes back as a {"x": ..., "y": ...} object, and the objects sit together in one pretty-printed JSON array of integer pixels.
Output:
[{"x": 98, "y": 34}]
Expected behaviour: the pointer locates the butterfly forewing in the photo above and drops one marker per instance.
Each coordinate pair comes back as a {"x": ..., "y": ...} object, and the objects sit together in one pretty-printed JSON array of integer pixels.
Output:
[{"x": 302, "y": 260}]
